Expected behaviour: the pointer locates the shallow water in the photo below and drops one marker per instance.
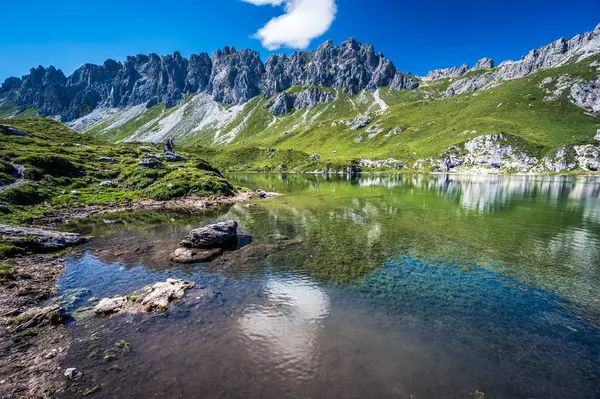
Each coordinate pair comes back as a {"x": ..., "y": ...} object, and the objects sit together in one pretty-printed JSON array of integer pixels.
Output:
[{"x": 397, "y": 286}]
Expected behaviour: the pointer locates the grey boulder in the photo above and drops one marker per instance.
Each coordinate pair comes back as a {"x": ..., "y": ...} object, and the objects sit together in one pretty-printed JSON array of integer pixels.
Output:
[
  {"x": 215, "y": 235},
  {"x": 172, "y": 157},
  {"x": 39, "y": 240}
]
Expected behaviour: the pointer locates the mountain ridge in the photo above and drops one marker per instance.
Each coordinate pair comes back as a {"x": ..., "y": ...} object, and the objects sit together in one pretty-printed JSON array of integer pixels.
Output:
[{"x": 230, "y": 76}]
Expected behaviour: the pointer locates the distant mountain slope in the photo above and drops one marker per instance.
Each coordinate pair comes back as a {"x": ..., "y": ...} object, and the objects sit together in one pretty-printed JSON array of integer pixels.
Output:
[{"x": 337, "y": 104}]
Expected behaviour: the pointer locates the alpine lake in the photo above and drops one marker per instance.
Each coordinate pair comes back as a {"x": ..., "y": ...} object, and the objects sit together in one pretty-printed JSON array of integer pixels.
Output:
[{"x": 392, "y": 286}]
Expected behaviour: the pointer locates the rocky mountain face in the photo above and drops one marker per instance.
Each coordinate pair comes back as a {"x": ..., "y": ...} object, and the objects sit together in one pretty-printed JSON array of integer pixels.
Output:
[
  {"x": 502, "y": 152},
  {"x": 454, "y": 72},
  {"x": 558, "y": 53},
  {"x": 229, "y": 76},
  {"x": 285, "y": 102}
]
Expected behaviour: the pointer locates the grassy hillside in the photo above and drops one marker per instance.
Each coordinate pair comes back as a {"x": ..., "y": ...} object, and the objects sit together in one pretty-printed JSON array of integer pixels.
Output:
[
  {"x": 429, "y": 126},
  {"x": 405, "y": 125},
  {"x": 63, "y": 167}
]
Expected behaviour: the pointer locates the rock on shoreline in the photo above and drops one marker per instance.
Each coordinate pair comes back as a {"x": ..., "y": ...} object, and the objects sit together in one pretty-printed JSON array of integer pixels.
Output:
[{"x": 39, "y": 240}]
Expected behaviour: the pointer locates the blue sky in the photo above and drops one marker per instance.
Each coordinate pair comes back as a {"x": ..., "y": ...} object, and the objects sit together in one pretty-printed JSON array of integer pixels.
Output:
[{"x": 416, "y": 36}]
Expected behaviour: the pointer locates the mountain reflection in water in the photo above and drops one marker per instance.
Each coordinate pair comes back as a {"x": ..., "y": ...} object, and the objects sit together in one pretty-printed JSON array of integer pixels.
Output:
[{"x": 421, "y": 286}]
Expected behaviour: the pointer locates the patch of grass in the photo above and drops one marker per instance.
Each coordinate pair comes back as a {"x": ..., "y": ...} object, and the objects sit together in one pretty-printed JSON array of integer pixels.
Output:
[
  {"x": 9, "y": 249},
  {"x": 7, "y": 272},
  {"x": 26, "y": 194},
  {"x": 65, "y": 169},
  {"x": 187, "y": 181},
  {"x": 90, "y": 391},
  {"x": 53, "y": 165}
]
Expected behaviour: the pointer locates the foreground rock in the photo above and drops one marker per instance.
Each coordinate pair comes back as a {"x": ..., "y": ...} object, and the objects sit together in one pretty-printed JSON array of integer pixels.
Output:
[
  {"x": 39, "y": 240},
  {"x": 215, "y": 235},
  {"x": 108, "y": 306},
  {"x": 154, "y": 297}
]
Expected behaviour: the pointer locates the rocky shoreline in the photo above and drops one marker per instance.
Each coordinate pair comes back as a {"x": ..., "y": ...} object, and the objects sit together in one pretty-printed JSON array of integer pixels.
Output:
[
  {"x": 33, "y": 337},
  {"x": 33, "y": 334}
]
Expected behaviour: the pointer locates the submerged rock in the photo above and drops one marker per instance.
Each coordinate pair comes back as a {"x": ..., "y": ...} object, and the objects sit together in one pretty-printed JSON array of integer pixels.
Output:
[
  {"x": 215, "y": 235},
  {"x": 108, "y": 306},
  {"x": 39, "y": 240},
  {"x": 189, "y": 255},
  {"x": 153, "y": 297},
  {"x": 160, "y": 295}
]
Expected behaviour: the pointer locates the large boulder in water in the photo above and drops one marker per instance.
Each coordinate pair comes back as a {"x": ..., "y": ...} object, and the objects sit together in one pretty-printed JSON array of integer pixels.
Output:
[{"x": 215, "y": 235}]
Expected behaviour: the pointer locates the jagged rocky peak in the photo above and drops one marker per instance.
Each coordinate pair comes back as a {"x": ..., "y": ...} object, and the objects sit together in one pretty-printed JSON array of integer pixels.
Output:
[
  {"x": 198, "y": 73},
  {"x": 555, "y": 54},
  {"x": 484, "y": 63},
  {"x": 230, "y": 76},
  {"x": 457, "y": 72},
  {"x": 308, "y": 98},
  {"x": 454, "y": 72},
  {"x": 352, "y": 67},
  {"x": 12, "y": 83},
  {"x": 236, "y": 75}
]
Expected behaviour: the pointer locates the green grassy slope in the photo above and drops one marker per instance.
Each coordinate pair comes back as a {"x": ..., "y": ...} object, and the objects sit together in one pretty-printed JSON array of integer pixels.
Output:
[
  {"x": 429, "y": 126},
  {"x": 416, "y": 124},
  {"x": 405, "y": 125},
  {"x": 63, "y": 168}
]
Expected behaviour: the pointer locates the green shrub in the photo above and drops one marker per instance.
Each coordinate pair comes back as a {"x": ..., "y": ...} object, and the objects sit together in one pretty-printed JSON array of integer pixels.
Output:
[
  {"x": 26, "y": 194},
  {"x": 5, "y": 178},
  {"x": 203, "y": 165},
  {"x": 34, "y": 174},
  {"x": 6, "y": 167},
  {"x": 52, "y": 165}
]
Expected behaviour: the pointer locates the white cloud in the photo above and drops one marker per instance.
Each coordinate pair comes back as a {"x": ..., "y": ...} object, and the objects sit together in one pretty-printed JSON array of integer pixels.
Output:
[{"x": 303, "y": 21}]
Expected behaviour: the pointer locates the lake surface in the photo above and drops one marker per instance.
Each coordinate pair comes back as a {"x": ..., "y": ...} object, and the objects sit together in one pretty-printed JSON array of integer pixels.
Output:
[{"x": 410, "y": 286}]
